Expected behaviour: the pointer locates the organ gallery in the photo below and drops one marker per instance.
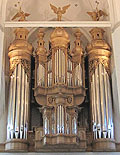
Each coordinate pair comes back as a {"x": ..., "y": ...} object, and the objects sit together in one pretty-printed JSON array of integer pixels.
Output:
[{"x": 60, "y": 93}]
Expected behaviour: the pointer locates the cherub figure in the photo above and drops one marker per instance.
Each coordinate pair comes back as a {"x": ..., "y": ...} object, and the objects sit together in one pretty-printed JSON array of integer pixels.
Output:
[
  {"x": 97, "y": 13},
  {"x": 59, "y": 11},
  {"x": 21, "y": 15}
]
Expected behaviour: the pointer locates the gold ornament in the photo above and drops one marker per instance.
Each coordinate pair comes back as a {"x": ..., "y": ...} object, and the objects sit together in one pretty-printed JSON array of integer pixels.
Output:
[
  {"x": 20, "y": 14},
  {"x": 98, "y": 51},
  {"x": 59, "y": 11},
  {"x": 97, "y": 14}
]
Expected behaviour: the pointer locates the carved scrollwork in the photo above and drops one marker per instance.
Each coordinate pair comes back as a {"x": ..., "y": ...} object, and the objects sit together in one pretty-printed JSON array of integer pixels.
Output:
[
  {"x": 69, "y": 100},
  {"x": 50, "y": 100}
]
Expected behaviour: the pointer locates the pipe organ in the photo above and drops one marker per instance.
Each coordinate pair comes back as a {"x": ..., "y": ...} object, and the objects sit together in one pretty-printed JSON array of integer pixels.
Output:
[
  {"x": 62, "y": 91},
  {"x": 20, "y": 52},
  {"x": 100, "y": 90},
  {"x": 59, "y": 91}
]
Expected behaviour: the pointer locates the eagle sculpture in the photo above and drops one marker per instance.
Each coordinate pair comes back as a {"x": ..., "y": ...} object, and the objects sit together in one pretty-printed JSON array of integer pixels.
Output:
[
  {"x": 59, "y": 11},
  {"x": 21, "y": 15},
  {"x": 95, "y": 15}
]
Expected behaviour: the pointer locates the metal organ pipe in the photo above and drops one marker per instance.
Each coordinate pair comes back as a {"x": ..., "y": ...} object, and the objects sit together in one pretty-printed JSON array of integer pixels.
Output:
[
  {"x": 99, "y": 59},
  {"x": 55, "y": 67},
  {"x": 62, "y": 119},
  {"x": 63, "y": 67},
  {"x": 78, "y": 75},
  {"x": 17, "y": 117},
  {"x": 56, "y": 71},
  {"x": 102, "y": 97},
  {"x": 58, "y": 120},
  {"x": 69, "y": 73},
  {"x": 10, "y": 107},
  {"x": 102, "y": 118},
  {"x": 111, "y": 127},
  {"x": 59, "y": 66},
  {"x": 25, "y": 112},
  {"x": 19, "y": 108},
  {"x": 22, "y": 104},
  {"x": 26, "y": 108},
  {"x": 16, "y": 109},
  {"x": 94, "y": 112},
  {"x": 41, "y": 75},
  {"x": 106, "y": 100},
  {"x": 13, "y": 104},
  {"x": 45, "y": 125},
  {"x": 38, "y": 75},
  {"x": 74, "y": 125},
  {"x": 97, "y": 89}
]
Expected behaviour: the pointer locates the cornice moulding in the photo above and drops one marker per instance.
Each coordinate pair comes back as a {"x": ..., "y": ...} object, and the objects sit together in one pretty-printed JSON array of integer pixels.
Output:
[{"x": 58, "y": 24}]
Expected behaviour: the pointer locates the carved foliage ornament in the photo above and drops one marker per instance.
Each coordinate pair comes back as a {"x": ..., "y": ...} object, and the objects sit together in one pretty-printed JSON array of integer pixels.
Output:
[
  {"x": 94, "y": 63},
  {"x": 25, "y": 64}
]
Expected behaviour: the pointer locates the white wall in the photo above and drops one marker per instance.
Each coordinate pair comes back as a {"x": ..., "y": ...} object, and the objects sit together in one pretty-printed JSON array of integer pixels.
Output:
[
  {"x": 3, "y": 109},
  {"x": 116, "y": 81}
]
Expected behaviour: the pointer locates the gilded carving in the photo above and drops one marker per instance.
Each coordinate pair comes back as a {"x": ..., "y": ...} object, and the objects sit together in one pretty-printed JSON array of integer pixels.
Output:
[
  {"x": 25, "y": 64},
  {"x": 94, "y": 63},
  {"x": 59, "y": 38},
  {"x": 59, "y": 11},
  {"x": 60, "y": 94},
  {"x": 20, "y": 52},
  {"x": 20, "y": 14},
  {"x": 77, "y": 51},
  {"x": 50, "y": 100},
  {"x": 98, "y": 51},
  {"x": 97, "y": 14},
  {"x": 69, "y": 100},
  {"x": 41, "y": 52}
]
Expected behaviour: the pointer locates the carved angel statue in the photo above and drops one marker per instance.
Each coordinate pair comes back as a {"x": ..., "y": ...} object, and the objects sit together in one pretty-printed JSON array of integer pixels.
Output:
[
  {"x": 21, "y": 15},
  {"x": 59, "y": 11},
  {"x": 95, "y": 15}
]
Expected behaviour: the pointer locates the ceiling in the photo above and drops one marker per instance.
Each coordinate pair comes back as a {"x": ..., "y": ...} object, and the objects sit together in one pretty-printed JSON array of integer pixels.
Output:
[{"x": 40, "y": 10}]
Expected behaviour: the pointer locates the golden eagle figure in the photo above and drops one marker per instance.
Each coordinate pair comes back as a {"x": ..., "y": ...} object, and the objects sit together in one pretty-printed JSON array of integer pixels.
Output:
[
  {"x": 21, "y": 15},
  {"x": 97, "y": 14},
  {"x": 59, "y": 11}
]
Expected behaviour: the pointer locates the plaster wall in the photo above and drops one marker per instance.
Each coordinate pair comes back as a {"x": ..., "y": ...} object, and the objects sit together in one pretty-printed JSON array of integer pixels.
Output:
[{"x": 116, "y": 81}]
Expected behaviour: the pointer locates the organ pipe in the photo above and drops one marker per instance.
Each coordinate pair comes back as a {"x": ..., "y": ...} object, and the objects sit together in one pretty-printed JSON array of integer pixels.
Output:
[
  {"x": 22, "y": 104},
  {"x": 20, "y": 52},
  {"x": 99, "y": 71},
  {"x": 17, "y": 117},
  {"x": 64, "y": 74}
]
